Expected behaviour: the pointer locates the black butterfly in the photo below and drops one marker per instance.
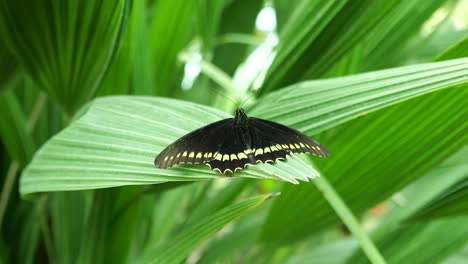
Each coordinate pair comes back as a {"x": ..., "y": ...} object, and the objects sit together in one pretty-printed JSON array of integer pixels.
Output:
[{"x": 230, "y": 144}]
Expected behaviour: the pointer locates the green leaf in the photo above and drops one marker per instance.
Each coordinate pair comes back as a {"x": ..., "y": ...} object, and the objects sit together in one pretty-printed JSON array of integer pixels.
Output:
[
  {"x": 241, "y": 238},
  {"x": 331, "y": 252},
  {"x": 14, "y": 129},
  {"x": 408, "y": 201},
  {"x": 237, "y": 17},
  {"x": 306, "y": 24},
  {"x": 437, "y": 239},
  {"x": 115, "y": 142},
  {"x": 8, "y": 66},
  {"x": 221, "y": 199},
  {"x": 454, "y": 201},
  {"x": 402, "y": 23},
  {"x": 459, "y": 50},
  {"x": 311, "y": 47},
  {"x": 67, "y": 218},
  {"x": 65, "y": 46},
  {"x": 171, "y": 30},
  {"x": 314, "y": 106},
  {"x": 374, "y": 157},
  {"x": 142, "y": 69},
  {"x": 458, "y": 258},
  {"x": 95, "y": 236},
  {"x": 182, "y": 244}
]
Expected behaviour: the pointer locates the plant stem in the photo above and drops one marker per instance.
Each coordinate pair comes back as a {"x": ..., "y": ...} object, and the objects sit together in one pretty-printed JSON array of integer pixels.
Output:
[
  {"x": 349, "y": 220},
  {"x": 216, "y": 74},
  {"x": 14, "y": 166},
  {"x": 7, "y": 187}
]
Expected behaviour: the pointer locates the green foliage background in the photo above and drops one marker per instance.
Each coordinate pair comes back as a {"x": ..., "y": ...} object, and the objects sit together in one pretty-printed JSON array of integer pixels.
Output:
[{"x": 91, "y": 92}]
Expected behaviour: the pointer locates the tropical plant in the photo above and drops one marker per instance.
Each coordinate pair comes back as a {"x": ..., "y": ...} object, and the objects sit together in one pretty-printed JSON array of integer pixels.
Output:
[{"x": 92, "y": 91}]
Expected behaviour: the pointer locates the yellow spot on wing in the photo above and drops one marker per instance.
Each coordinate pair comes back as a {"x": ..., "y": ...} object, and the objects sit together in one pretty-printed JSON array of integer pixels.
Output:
[
  {"x": 266, "y": 150},
  {"x": 191, "y": 155},
  {"x": 302, "y": 145},
  {"x": 291, "y": 146},
  {"x": 225, "y": 157},
  {"x": 278, "y": 146},
  {"x": 199, "y": 155},
  {"x": 273, "y": 148},
  {"x": 218, "y": 156},
  {"x": 184, "y": 154},
  {"x": 284, "y": 146},
  {"x": 209, "y": 155},
  {"x": 178, "y": 155},
  {"x": 259, "y": 152},
  {"x": 241, "y": 155},
  {"x": 248, "y": 151},
  {"x": 297, "y": 146},
  {"x": 165, "y": 158},
  {"x": 233, "y": 157}
]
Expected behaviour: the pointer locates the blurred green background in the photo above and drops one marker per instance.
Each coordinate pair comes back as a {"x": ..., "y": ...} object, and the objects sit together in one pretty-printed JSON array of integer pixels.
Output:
[{"x": 92, "y": 91}]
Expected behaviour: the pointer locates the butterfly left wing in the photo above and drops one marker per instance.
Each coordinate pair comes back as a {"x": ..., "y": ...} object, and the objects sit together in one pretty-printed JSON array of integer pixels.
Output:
[{"x": 198, "y": 146}]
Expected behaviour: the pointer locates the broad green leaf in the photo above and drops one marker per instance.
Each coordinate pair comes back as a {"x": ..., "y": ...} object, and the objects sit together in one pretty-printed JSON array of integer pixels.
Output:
[
  {"x": 422, "y": 243},
  {"x": 66, "y": 46},
  {"x": 67, "y": 218},
  {"x": 408, "y": 201},
  {"x": 314, "y": 106},
  {"x": 459, "y": 50},
  {"x": 182, "y": 244},
  {"x": 115, "y": 142},
  {"x": 311, "y": 47},
  {"x": 14, "y": 129},
  {"x": 242, "y": 237},
  {"x": 454, "y": 201},
  {"x": 166, "y": 214},
  {"x": 221, "y": 199},
  {"x": 436, "y": 182},
  {"x": 305, "y": 25},
  {"x": 95, "y": 236},
  {"x": 372, "y": 158},
  {"x": 402, "y": 23},
  {"x": 458, "y": 258}
]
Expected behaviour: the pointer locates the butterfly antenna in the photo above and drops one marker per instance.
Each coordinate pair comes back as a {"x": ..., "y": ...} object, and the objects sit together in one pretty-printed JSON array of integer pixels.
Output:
[
  {"x": 245, "y": 101},
  {"x": 227, "y": 98}
]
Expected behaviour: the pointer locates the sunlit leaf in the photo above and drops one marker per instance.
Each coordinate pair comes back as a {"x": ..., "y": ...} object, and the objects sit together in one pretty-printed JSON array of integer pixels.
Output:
[
  {"x": 115, "y": 142},
  {"x": 373, "y": 157}
]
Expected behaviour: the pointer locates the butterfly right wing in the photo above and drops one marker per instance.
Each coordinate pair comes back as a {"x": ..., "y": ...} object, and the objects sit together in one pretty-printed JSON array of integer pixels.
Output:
[
  {"x": 198, "y": 146},
  {"x": 274, "y": 140}
]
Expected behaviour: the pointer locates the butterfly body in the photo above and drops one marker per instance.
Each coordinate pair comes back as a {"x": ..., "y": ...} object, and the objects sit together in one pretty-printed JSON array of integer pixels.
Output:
[{"x": 233, "y": 143}]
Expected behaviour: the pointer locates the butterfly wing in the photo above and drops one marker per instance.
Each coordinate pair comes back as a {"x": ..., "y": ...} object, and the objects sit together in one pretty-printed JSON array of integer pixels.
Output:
[
  {"x": 226, "y": 147},
  {"x": 274, "y": 141},
  {"x": 198, "y": 146}
]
